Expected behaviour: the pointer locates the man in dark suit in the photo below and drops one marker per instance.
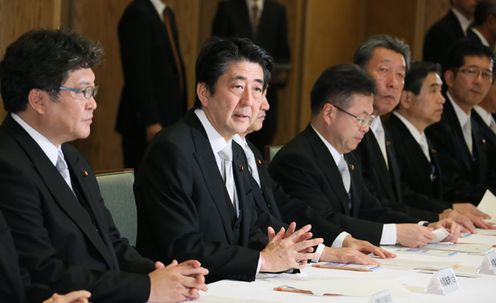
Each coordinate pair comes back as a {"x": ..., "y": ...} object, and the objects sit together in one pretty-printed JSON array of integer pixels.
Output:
[
  {"x": 421, "y": 105},
  {"x": 64, "y": 236},
  {"x": 460, "y": 145},
  {"x": 317, "y": 166},
  {"x": 154, "y": 92},
  {"x": 483, "y": 30},
  {"x": 446, "y": 31},
  {"x": 270, "y": 197},
  {"x": 265, "y": 23},
  {"x": 206, "y": 208},
  {"x": 386, "y": 60}
]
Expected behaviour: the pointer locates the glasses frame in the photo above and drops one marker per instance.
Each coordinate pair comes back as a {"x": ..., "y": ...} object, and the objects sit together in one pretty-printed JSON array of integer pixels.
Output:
[
  {"x": 88, "y": 92},
  {"x": 360, "y": 120},
  {"x": 476, "y": 73}
]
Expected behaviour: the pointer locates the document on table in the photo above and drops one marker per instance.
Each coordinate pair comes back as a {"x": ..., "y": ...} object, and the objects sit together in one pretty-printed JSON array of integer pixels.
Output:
[
  {"x": 488, "y": 204},
  {"x": 402, "y": 263},
  {"x": 475, "y": 248},
  {"x": 486, "y": 232},
  {"x": 349, "y": 287}
]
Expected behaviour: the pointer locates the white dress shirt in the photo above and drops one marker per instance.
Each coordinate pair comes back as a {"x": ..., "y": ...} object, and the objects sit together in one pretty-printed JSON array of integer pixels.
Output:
[{"x": 420, "y": 138}]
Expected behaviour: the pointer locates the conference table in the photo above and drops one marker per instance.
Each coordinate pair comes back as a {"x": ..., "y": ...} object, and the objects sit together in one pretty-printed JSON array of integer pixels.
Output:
[{"x": 406, "y": 278}]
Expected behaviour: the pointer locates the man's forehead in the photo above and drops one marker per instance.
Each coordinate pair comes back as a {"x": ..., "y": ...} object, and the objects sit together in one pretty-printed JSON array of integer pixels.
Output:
[
  {"x": 473, "y": 60},
  {"x": 386, "y": 55}
]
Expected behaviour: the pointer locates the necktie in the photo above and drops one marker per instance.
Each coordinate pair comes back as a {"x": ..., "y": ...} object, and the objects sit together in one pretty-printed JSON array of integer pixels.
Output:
[
  {"x": 254, "y": 17},
  {"x": 252, "y": 165},
  {"x": 227, "y": 171},
  {"x": 63, "y": 169},
  {"x": 492, "y": 125},
  {"x": 381, "y": 139},
  {"x": 425, "y": 147},
  {"x": 345, "y": 175},
  {"x": 175, "y": 50},
  {"x": 467, "y": 134}
]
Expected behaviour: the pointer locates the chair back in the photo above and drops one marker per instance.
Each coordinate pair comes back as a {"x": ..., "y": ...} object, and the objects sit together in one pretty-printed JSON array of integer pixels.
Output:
[
  {"x": 271, "y": 151},
  {"x": 117, "y": 192}
]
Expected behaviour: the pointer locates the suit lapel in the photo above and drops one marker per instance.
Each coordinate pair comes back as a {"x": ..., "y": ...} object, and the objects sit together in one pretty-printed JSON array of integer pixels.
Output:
[
  {"x": 328, "y": 166},
  {"x": 394, "y": 168},
  {"x": 54, "y": 182},
  {"x": 208, "y": 165}
]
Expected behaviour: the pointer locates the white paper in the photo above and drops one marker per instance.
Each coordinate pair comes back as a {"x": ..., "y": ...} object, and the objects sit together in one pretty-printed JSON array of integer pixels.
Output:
[
  {"x": 439, "y": 235},
  {"x": 488, "y": 265},
  {"x": 443, "y": 282},
  {"x": 348, "y": 287},
  {"x": 461, "y": 247},
  {"x": 382, "y": 297},
  {"x": 488, "y": 204},
  {"x": 486, "y": 232}
]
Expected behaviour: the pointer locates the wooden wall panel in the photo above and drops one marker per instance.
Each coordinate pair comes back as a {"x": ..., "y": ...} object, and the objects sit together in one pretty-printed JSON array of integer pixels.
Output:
[
  {"x": 332, "y": 31},
  {"x": 21, "y": 16}
]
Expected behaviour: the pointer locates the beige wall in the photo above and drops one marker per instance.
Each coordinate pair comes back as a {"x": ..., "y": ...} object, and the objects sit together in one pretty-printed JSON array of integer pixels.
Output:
[{"x": 321, "y": 33}]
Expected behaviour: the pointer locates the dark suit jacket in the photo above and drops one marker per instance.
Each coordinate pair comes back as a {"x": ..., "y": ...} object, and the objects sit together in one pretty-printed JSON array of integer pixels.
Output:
[
  {"x": 61, "y": 243},
  {"x": 490, "y": 138},
  {"x": 184, "y": 210},
  {"x": 151, "y": 81},
  {"x": 12, "y": 286},
  {"x": 472, "y": 36},
  {"x": 306, "y": 169},
  {"x": 286, "y": 208},
  {"x": 465, "y": 177},
  {"x": 385, "y": 184},
  {"x": 417, "y": 172},
  {"x": 232, "y": 19},
  {"x": 440, "y": 36}
]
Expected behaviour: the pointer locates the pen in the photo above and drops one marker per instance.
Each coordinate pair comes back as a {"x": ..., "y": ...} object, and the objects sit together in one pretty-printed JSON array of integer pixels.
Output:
[
  {"x": 291, "y": 289},
  {"x": 342, "y": 268}
]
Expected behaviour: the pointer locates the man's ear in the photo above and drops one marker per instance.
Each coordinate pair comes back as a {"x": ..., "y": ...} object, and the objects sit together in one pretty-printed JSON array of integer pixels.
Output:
[
  {"x": 406, "y": 99},
  {"x": 449, "y": 77},
  {"x": 203, "y": 93},
  {"x": 328, "y": 113},
  {"x": 37, "y": 99}
]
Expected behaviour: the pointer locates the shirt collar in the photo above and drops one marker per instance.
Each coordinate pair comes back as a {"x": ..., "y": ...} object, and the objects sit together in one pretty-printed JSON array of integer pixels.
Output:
[
  {"x": 159, "y": 6},
  {"x": 460, "y": 114},
  {"x": 484, "y": 114},
  {"x": 413, "y": 130},
  {"x": 464, "y": 22},
  {"x": 50, "y": 150},
  {"x": 241, "y": 141},
  {"x": 336, "y": 156},
  {"x": 483, "y": 39},
  {"x": 217, "y": 142},
  {"x": 376, "y": 126}
]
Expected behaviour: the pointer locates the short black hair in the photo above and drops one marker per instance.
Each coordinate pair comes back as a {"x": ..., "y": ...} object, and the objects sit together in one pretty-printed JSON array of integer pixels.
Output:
[
  {"x": 484, "y": 9},
  {"x": 365, "y": 51},
  {"x": 417, "y": 73},
  {"x": 465, "y": 48},
  {"x": 217, "y": 54},
  {"x": 337, "y": 84},
  {"x": 42, "y": 59}
]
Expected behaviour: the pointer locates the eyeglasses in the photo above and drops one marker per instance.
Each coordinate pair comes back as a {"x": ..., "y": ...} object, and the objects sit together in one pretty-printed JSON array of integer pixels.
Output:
[
  {"x": 474, "y": 72},
  {"x": 363, "y": 120},
  {"x": 87, "y": 92}
]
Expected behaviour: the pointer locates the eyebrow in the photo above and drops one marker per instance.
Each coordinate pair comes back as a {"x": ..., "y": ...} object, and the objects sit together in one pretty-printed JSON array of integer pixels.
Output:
[{"x": 245, "y": 79}]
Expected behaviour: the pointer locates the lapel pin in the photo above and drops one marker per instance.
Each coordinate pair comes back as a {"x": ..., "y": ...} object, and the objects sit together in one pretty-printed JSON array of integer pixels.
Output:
[
  {"x": 483, "y": 141},
  {"x": 259, "y": 162},
  {"x": 388, "y": 142},
  {"x": 241, "y": 167},
  {"x": 351, "y": 166},
  {"x": 84, "y": 173}
]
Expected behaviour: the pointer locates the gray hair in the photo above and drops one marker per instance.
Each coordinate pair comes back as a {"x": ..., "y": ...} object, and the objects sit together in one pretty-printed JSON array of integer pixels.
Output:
[{"x": 366, "y": 49}]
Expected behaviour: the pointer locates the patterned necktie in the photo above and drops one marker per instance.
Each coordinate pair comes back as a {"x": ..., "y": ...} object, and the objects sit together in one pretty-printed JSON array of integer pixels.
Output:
[
  {"x": 425, "y": 147},
  {"x": 252, "y": 165},
  {"x": 467, "y": 134},
  {"x": 175, "y": 50},
  {"x": 254, "y": 17},
  {"x": 381, "y": 140},
  {"x": 345, "y": 175},
  {"x": 63, "y": 169},
  {"x": 227, "y": 169}
]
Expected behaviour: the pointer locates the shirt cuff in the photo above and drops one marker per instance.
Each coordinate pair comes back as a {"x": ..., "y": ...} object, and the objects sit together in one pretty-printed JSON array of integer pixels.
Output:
[
  {"x": 338, "y": 242},
  {"x": 423, "y": 223},
  {"x": 259, "y": 265},
  {"x": 388, "y": 236}
]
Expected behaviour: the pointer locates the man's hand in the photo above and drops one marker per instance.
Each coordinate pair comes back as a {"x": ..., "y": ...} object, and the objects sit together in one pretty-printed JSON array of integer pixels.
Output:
[
  {"x": 177, "y": 282},
  {"x": 80, "y": 296},
  {"x": 464, "y": 221},
  {"x": 413, "y": 235},
  {"x": 346, "y": 255},
  {"x": 474, "y": 214},
  {"x": 288, "y": 251},
  {"x": 451, "y": 226},
  {"x": 366, "y": 247}
]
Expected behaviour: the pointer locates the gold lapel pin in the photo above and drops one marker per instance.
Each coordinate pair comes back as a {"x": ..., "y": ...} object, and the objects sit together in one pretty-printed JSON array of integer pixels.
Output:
[
  {"x": 241, "y": 167},
  {"x": 259, "y": 162},
  {"x": 84, "y": 173}
]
